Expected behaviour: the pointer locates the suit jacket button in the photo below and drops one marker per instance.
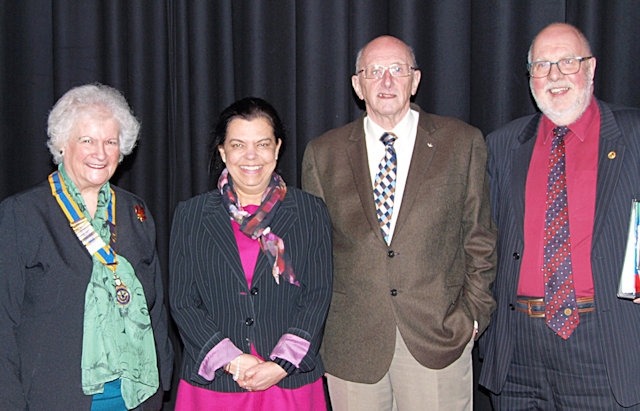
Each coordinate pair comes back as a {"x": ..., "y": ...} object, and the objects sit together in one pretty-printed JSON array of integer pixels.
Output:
[
  {"x": 254, "y": 291},
  {"x": 516, "y": 256},
  {"x": 391, "y": 254},
  {"x": 394, "y": 292},
  {"x": 248, "y": 322}
]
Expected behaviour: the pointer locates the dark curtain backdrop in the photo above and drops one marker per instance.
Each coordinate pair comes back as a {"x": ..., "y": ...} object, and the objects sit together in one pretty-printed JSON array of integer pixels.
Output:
[{"x": 180, "y": 62}]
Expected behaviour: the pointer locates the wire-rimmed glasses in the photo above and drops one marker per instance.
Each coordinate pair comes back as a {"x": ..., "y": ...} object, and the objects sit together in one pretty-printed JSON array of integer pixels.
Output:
[{"x": 376, "y": 71}]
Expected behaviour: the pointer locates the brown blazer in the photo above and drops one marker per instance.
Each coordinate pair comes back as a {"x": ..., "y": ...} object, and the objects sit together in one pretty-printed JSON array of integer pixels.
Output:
[{"x": 433, "y": 281}]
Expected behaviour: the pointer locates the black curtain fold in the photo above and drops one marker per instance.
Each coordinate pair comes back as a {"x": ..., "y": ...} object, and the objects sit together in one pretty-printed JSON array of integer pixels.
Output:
[{"x": 180, "y": 62}]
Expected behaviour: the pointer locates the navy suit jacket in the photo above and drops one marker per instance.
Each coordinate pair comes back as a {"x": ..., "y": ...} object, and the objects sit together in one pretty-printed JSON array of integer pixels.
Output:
[
  {"x": 510, "y": 149},
  {"x": 210, "y": 299},
  {"x": 44, "y": 273}
]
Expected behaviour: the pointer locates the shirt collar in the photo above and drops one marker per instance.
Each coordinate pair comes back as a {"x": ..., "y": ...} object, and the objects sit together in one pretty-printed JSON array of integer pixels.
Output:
[
  {"x": 403, "y": 128},
  {"x": 579, "y": 128}
]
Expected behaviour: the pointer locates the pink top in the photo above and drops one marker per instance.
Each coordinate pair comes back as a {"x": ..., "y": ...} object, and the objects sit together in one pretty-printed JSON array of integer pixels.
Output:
[
  {"x": 309, "y": 397},
  {"x": 248, "y": 247}
]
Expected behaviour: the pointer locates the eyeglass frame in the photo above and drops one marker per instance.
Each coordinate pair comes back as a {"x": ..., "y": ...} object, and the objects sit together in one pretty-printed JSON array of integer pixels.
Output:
[
  {"x": 386, "y": 68},
  {"x": 557, "y": 63}
]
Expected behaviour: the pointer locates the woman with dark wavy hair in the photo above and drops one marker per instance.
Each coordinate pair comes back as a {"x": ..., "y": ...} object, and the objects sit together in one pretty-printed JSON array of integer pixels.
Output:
[{"x": 250, "y": 276}]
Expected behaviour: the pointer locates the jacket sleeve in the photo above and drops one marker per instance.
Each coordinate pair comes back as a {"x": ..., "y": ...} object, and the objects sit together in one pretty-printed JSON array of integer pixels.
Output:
[
  {"x": 199, "y": 332},
  {"x": 310, "y": 179},
  {"x": 479, "y": 238},
  {"x": 300, "y": 345},
  {"x": 12, "y": 283},
  {"x": 159, "y": 316}
]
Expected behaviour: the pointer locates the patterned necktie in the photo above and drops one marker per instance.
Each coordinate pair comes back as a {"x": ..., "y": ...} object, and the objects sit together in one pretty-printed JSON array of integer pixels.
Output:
[
  {"x": 561, "y": 310},
  {"x": 385, "y": 185}
]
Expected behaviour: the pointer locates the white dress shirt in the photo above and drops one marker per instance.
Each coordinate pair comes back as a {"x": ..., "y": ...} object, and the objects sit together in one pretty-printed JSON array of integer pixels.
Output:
[{"x": 405, "y": 131}]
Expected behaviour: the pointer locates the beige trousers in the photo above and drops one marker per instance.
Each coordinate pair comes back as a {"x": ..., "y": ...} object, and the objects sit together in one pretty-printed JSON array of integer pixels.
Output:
[{"x": 409, "y": 386}]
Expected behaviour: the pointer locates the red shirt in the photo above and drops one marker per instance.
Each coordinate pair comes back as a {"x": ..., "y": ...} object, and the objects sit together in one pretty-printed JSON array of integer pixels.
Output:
[{"x": 582, "y": 172}]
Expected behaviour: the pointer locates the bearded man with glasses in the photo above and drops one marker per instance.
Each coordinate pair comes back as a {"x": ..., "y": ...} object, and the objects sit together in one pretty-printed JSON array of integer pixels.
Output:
[
  {"x": 413, "y": 244},
  {"x": 562, "y": 185}
]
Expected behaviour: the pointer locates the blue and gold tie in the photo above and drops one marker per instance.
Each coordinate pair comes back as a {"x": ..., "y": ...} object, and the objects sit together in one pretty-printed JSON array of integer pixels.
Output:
[
  {"x": 385, "y": 185},
  {"x": 561, "y": 309}
]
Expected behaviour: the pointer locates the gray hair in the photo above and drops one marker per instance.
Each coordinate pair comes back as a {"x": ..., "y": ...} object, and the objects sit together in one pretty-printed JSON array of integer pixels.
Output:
[{"x": 81, "y": 99}]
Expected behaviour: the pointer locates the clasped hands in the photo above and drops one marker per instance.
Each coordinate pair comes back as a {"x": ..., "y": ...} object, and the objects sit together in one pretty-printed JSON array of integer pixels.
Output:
[{"x": 253, "y": 374}]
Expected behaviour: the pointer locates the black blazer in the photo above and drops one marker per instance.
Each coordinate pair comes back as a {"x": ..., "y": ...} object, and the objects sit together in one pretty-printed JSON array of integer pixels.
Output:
[
  {"x": 44, "y": 273},
  {"x": 510, "y": 150},
  {"x": 210, "y": 299}
]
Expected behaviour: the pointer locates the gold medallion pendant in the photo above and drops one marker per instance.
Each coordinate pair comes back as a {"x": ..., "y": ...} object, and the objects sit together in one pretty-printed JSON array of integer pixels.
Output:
[{"x": 122, "y": 292}]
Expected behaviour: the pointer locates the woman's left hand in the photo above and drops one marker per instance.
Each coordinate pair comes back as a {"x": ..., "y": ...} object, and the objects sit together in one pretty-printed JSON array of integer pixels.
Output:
[{"x": 262, "y": 376}]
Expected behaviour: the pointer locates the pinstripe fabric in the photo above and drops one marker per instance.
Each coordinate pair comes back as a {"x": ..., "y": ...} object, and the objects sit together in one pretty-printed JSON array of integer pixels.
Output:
[
  {"x": 618, "y": 335},
  {"x": 558, "y": 374},
  {"x": 208, "y": 290}
]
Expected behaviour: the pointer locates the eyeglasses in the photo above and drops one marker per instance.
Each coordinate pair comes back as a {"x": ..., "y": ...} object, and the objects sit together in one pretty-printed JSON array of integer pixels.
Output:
[
  {"x": 396, "y": 70},
  {"x": 569, "y": 65}
]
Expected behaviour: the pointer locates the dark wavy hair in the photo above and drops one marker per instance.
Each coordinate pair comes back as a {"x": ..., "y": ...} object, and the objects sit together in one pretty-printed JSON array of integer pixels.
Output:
[{"x": 248, "y": 108}]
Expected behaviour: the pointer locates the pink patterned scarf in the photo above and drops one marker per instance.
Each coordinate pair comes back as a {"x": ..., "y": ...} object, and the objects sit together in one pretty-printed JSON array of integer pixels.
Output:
[{"x": 256, "y": 225}]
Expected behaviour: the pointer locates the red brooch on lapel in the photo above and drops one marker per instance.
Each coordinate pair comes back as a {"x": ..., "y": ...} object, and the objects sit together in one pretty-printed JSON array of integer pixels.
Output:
[{"x": 140, "y": 213}]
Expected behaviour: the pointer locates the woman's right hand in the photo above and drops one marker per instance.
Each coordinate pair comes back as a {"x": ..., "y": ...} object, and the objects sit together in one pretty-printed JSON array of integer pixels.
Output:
[{"x": 239, "y": 365}]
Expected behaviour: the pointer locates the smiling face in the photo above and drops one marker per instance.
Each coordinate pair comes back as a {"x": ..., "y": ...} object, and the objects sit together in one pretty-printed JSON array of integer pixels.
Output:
[
  {"x": 92, "y": 151},
  {"x": 250, "y": 152},
  {"x": 563, "y": 98},
  {"x": 387, "y": 99}
]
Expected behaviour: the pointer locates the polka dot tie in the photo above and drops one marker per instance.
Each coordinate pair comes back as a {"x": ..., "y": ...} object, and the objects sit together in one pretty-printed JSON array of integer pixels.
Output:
[
  {"x": 384, "y": 186},
  {"x": 561, "y": 312}
]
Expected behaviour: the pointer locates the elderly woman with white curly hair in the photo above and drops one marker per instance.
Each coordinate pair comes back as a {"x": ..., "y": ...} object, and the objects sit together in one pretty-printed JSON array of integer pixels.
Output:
[{"x": 82, "y": 320}]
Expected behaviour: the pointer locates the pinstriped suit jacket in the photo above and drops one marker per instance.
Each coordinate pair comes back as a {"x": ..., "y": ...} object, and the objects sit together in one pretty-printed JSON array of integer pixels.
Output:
[
  {"x": 510, "y": 150},
  {"x": 208, "y": 290}
]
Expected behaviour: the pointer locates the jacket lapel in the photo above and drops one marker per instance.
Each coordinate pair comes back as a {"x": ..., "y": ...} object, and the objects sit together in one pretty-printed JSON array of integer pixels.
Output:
[
  {"x": 424, "y": 149},
  {"x": 522, "y": 152},
  {"x": 357, "y": 155},
  {"x": 608, "y": 170},
  {"x": 217, "y": 222},
  {"x": 282, "y": 223},
  {"x": 610, "y": 159}
]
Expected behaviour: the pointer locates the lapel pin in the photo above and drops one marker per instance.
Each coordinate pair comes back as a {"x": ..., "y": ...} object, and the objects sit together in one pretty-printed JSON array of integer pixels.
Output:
[
  {"x": 611, "y": 155},
  {"x": 140, "y": 213},
  {"x": 430, "y": 145}
]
